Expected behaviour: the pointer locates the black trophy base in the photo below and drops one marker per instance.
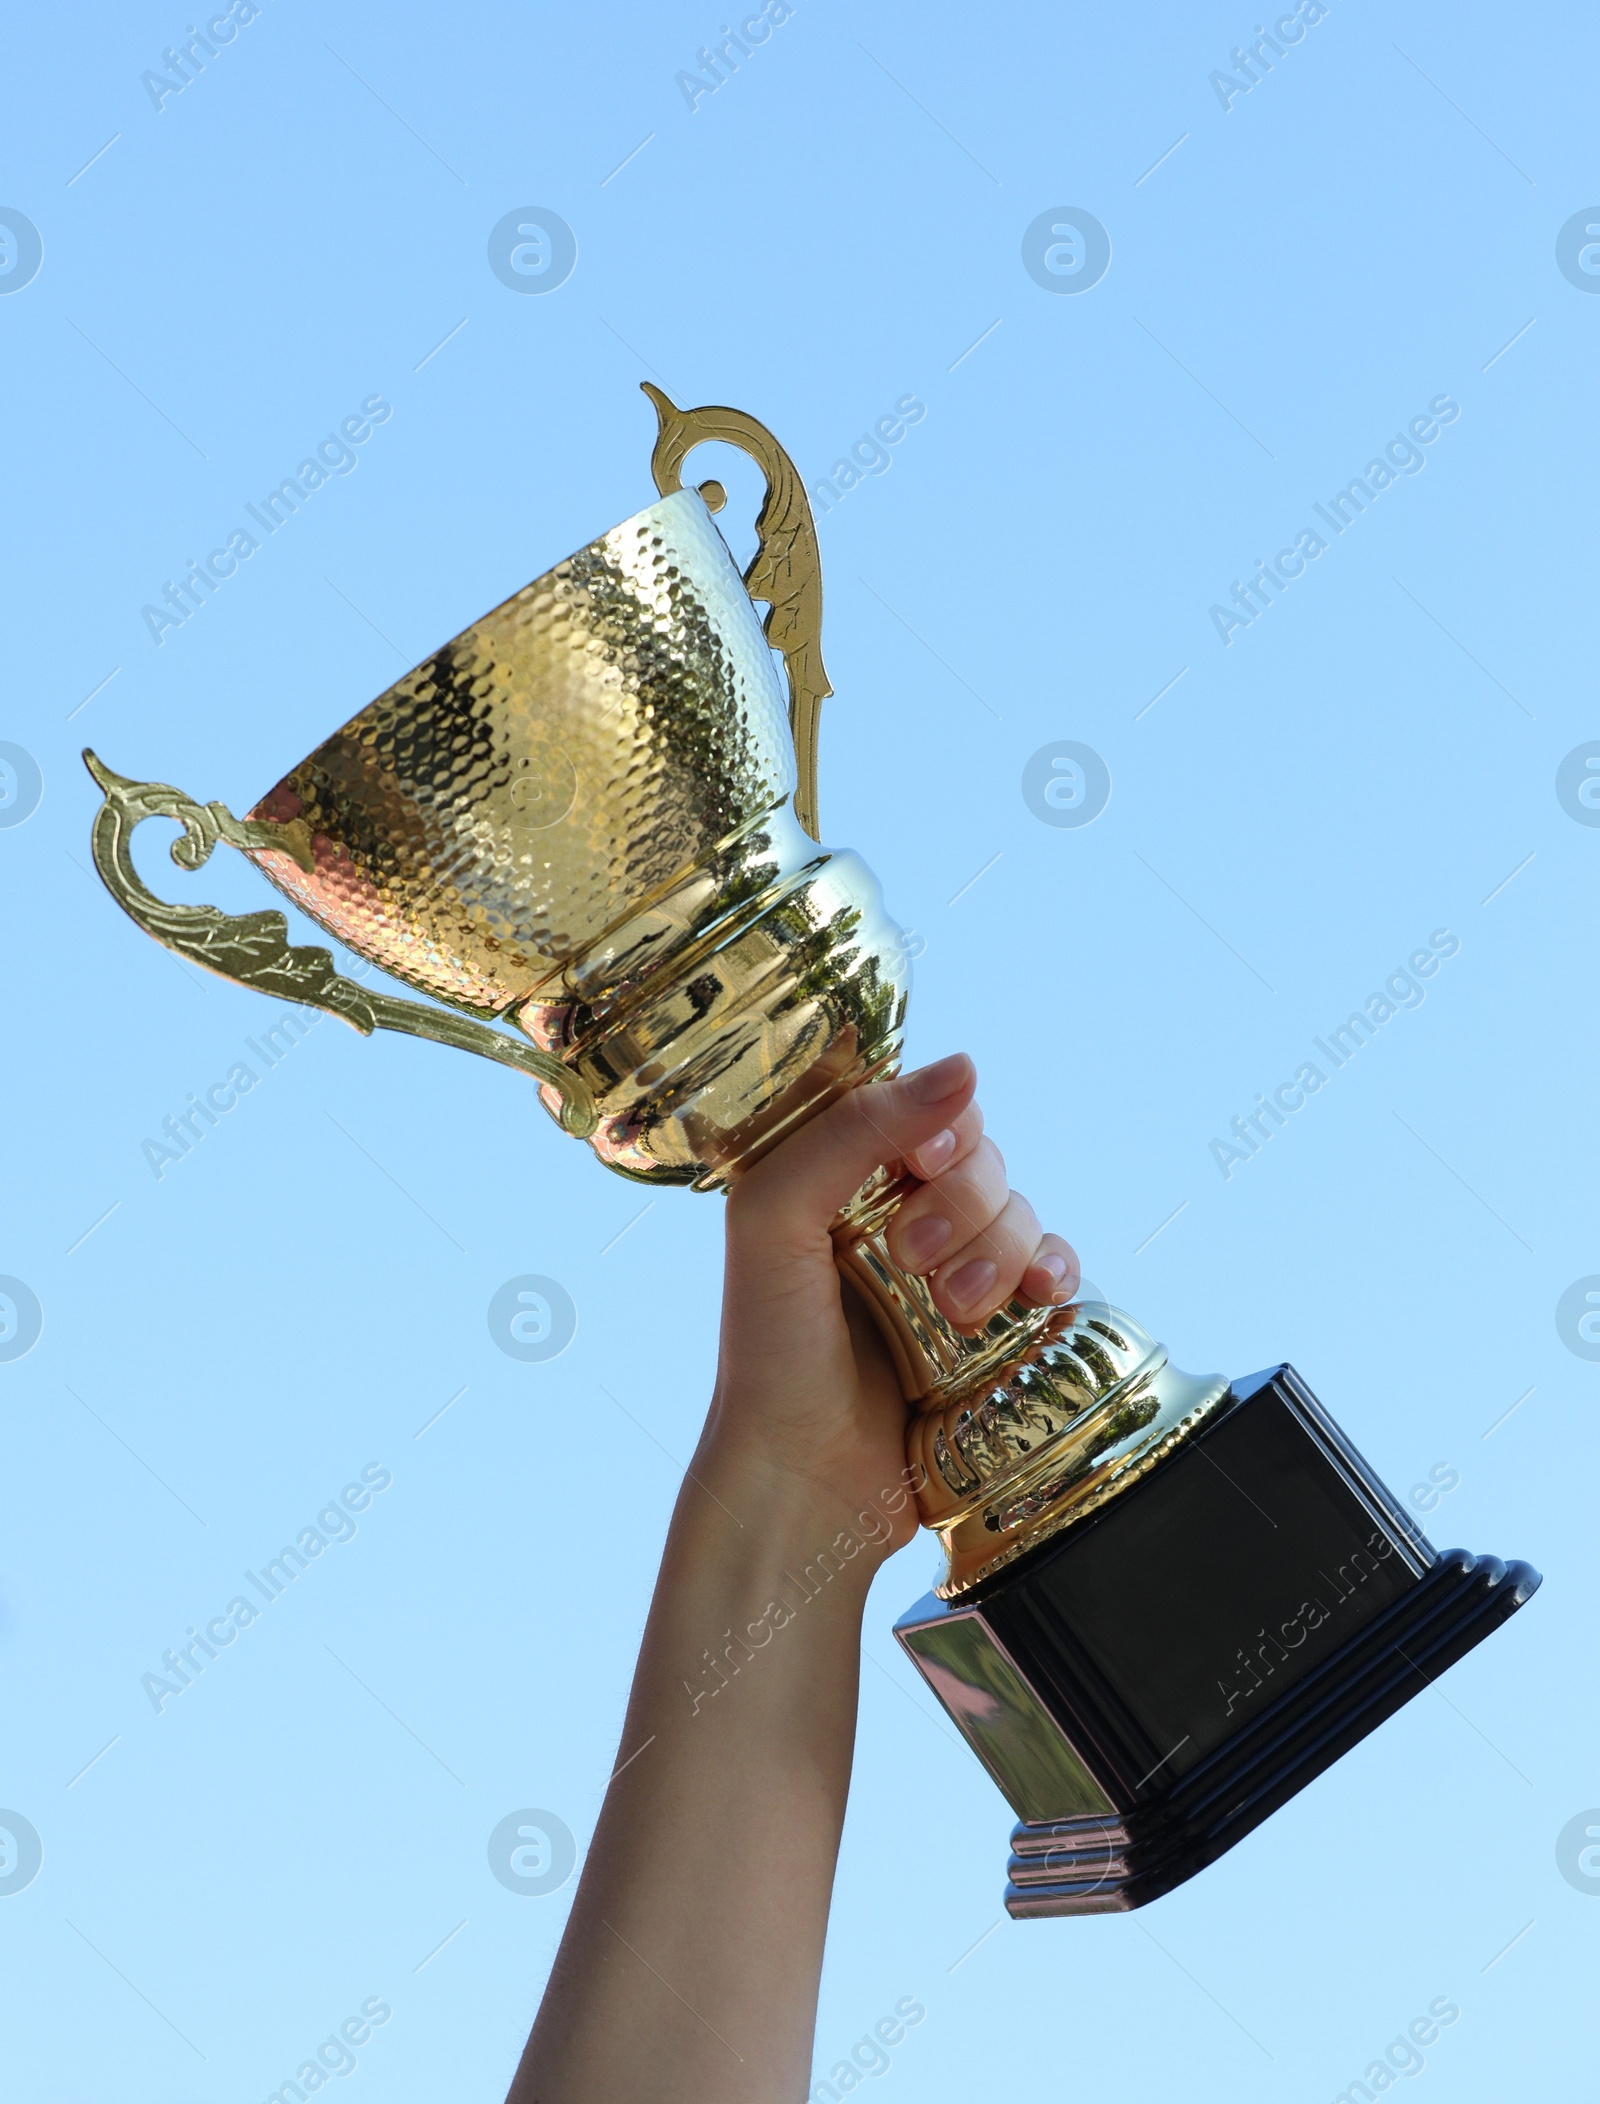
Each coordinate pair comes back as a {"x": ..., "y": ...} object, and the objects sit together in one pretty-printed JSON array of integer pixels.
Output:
[{"x": 1153, "y": 1684}]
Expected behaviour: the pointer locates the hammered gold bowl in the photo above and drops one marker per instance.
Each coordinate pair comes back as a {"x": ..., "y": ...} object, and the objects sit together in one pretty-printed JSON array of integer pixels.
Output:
[{"x": 575, "y": 817}]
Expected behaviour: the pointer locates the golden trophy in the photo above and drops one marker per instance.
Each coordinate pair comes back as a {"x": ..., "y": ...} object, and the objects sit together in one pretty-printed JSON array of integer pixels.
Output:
[{"x": 585, "y": 829}]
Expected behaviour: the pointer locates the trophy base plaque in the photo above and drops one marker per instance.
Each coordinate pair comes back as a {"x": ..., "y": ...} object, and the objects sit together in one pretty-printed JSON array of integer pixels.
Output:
[{"x": 1154, "y": 1682}]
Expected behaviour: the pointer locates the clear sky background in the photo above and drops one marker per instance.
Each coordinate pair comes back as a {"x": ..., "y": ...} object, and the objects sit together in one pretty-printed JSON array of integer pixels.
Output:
[{"x": 1293, "y": 811}]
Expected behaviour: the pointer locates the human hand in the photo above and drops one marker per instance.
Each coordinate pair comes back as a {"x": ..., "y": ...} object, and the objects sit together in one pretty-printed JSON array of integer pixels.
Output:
[{"x": 806, "y": 1393}]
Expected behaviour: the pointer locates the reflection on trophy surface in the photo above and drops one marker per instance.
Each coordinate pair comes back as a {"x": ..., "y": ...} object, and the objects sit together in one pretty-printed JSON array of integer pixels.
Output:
[{"x": 585, "y": 830}]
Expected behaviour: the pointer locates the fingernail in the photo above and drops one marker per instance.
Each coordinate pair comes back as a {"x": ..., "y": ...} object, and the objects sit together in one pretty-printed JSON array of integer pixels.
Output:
[
  {"x": 1055, "y": 1266},
  {"x": 923, "y": 1239},
  {"x": 971, "y": 1282},
  {"x": 943, "y": 1078},
  {"x": 928, "y": 1159}
]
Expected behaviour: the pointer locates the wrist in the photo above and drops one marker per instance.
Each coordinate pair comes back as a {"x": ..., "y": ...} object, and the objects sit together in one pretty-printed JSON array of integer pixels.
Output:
[{"x": 792, "y": 1517}]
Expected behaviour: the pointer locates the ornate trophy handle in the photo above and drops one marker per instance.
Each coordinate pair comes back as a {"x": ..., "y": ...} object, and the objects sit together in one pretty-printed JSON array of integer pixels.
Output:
[
  {"x": 786, "y": 570},
  {"x": 253, "y": 949}
]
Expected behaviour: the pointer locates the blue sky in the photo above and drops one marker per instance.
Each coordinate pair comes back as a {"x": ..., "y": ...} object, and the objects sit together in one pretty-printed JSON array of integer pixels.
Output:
[{"x": 1288, "y": 275}]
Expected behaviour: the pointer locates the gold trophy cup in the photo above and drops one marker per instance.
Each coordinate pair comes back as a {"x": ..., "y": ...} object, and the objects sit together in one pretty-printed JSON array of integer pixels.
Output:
[{"x": 585, "y": 829}]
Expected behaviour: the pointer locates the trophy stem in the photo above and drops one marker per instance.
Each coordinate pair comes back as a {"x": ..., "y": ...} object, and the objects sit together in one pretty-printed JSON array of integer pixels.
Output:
[
  {"x": 1026, "y": 1426},
  {"x": 933, "y": 1358}
]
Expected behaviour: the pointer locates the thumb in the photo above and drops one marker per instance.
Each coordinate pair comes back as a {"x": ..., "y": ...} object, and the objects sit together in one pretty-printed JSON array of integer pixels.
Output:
[{"x": 801, "y": 1185}]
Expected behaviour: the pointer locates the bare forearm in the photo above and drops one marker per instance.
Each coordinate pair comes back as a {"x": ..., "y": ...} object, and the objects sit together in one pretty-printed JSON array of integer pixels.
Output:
[{"x": 690, "y": 1964}]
